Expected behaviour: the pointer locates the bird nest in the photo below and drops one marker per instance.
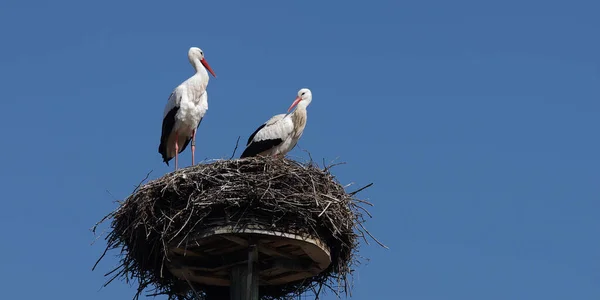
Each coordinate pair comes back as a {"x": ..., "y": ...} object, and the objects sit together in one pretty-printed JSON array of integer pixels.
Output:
[{"x": 279, "y": 194}]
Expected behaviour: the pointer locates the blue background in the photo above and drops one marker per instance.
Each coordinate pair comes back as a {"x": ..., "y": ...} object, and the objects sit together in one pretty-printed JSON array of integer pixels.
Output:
[{"x": 477, "y": 121}]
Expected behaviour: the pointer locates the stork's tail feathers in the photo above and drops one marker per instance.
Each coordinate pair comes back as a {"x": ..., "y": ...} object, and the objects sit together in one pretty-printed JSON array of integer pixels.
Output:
[
  {"x": 162, "y": 149},
  {"x": 245, "y": 154}
]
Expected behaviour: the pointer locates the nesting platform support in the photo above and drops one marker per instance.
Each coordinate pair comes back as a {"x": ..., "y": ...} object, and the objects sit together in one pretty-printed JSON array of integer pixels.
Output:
[
  {"x": 244, "y": 278},
  {"x": 244, "y": 258}
]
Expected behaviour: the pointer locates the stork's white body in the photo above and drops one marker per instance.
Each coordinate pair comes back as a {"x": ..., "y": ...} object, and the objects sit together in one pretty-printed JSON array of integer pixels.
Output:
[
  {"x": 184, "y": 110},
  {"x": 190, "y": 100},
  {"x": 284, "y": 126},
  {"x": 279, "y": 127},
  {"x": 280, "y": 134}
]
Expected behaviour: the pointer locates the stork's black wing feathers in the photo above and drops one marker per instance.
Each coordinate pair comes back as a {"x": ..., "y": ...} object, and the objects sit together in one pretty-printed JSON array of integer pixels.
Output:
[
  {"x": 257, "y": 147},
  {"x": 254, "y": 133},
  {"x": 167, "y": 127}
]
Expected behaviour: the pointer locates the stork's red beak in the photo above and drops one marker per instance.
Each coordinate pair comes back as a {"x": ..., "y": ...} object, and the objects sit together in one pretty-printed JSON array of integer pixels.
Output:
[
  {"x": 298, "y": 99},
  {"x": 205, "y": 64}
]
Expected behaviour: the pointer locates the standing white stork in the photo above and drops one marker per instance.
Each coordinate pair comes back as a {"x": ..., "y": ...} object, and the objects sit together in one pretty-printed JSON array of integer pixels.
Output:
[
  {"x": 281, "y": 133},
  {"x": 185, "y": 109}
]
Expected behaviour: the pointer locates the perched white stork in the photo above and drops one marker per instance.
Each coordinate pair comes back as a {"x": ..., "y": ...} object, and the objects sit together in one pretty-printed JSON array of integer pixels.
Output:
[
  {"x": 281, "y": 133},
  {"x": 185, "y": 109}
]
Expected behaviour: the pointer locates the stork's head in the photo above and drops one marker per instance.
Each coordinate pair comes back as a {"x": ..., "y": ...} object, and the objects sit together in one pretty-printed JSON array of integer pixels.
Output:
[
  {"x": 303, "y": 99},
  {"x": 196, "y": 53}
]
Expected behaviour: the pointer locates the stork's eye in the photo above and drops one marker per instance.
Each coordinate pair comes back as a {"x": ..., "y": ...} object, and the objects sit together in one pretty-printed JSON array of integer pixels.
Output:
[{"x": 303, "y": 93}]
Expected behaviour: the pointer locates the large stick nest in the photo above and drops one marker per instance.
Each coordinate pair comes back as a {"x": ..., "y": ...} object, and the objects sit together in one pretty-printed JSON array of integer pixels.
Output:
[{"x": 279, "y": 193}]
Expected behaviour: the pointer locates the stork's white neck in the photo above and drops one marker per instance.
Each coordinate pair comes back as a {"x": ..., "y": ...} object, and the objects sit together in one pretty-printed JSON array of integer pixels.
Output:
[
  {"x": 300, "y": 111},
  {"x": 299, "y": 119},
  {"x": 200, "y": 69},
  {"x": 302, "y": 106}
]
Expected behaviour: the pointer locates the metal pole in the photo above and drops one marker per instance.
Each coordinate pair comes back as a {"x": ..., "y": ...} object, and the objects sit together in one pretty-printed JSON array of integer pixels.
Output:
[{"x": 244, "y": 278}]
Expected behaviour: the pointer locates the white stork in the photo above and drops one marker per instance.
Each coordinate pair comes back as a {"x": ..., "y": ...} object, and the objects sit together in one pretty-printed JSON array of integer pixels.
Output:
[
  {"x": 185, "y": 109},
  {"x": 281, "y": 133}
]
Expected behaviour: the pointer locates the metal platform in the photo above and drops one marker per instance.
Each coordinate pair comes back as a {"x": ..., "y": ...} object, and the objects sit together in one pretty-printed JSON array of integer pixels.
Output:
[{"x": 211, "y": 257}]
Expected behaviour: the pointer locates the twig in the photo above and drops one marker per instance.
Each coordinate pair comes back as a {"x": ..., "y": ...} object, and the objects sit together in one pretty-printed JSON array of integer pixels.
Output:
[
  {"x": 93, "y": 229},
  {"x": 141, "y": 182},
  {"x": 376, "y": 240},
  {"x": 113, "y": 196},
  {"x": 330, "y": 197},
  {"x": 99, "y": 259},
  {"x": 331, "y": 164},
  {"x": 362, "y": 188},
  {"x": 318, "y": 292},
  {"x": 364, "y": 210},
  {"x": 326, "y": 207},
  {"x": 192, "y": 287},
  {"x": 363, "y": 202},
  {"x": 309, "y": 155},
  {"x": 236, "y": 146}
]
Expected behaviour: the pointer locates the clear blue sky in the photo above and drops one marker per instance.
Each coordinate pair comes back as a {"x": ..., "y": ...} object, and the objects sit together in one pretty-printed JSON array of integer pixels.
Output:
[{"x": 478, "y": 123}]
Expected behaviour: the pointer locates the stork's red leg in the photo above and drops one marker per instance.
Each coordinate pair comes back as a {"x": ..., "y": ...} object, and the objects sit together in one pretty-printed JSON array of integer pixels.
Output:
[
  {"x": 176, "y": 148},
  {"x": 193, "y": 146}
]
